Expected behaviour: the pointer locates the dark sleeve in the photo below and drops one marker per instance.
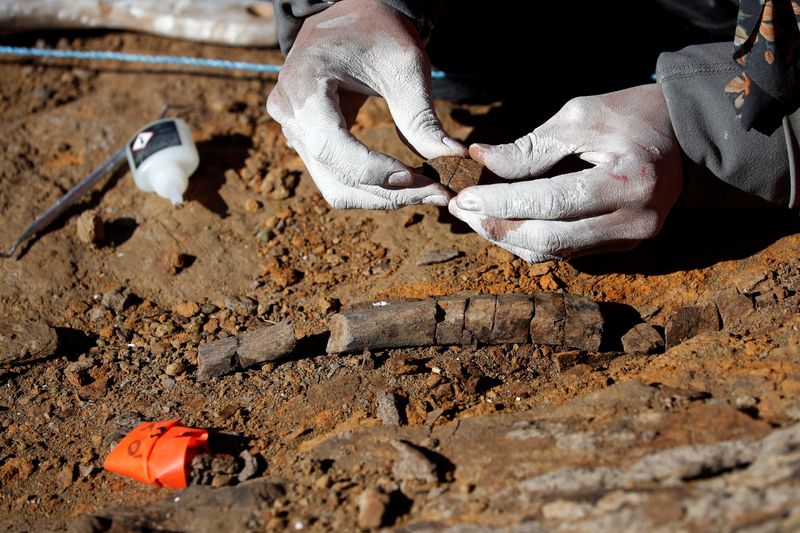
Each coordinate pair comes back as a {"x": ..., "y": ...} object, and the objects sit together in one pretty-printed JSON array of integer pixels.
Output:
[
  {"x": 289, "y": 15},
  {"x": 698, "y": 87}
]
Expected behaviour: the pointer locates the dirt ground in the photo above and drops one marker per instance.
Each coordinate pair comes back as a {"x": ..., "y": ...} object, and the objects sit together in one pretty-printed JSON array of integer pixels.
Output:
[{"x": 702, "y": 436}]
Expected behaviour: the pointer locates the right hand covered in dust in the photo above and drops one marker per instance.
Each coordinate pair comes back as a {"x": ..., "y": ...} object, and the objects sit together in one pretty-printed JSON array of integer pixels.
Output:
[
  {"x": 353, "y": 49},
  {"x": 623, "y": 198}
]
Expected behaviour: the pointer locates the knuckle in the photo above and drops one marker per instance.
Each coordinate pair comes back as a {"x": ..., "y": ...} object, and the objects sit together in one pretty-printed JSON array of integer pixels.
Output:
[
  {"x": 524, "y": 145},
  {"x": 320, "y": 147},
  {"x": 276, "y": 107},
  {"x": 424, "y": 120},
  {"x": 576, "y": 110}
]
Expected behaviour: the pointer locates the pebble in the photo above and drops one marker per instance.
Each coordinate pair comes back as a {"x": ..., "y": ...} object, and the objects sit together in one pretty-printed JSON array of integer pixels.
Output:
[
  {"x": 222, "y": 480},
  {"x": 186, "y": 309},
  {"x": 241, "y": 305},
  {"x": 251, "y": 206},
  {"x": 733, "y": 306},
  {"x": 77, "y": 373},
  {"x": 439, "y": 255},
  {"x": 175, "y": 261},
  {"x": 372, "y": 506},
  {"x": 67, "y": 475},
  {"x": 25, "y": 341},
  {"x": 642, "y": 338},
  {"x": 90, "y": 228},
  {"x": 250, "y": 468},
  {"x": 411, "y": 464},
  {"x": 174, "y": 369},
  {"x": 387, "y": 410}
]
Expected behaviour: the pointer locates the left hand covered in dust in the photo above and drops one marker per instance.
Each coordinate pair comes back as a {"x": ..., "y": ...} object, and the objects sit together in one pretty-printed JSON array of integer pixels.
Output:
[{"x": 621, "y": 200}]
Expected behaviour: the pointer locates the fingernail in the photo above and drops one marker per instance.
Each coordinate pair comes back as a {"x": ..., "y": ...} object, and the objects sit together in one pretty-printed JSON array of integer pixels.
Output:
[
  {"x": 436, "y": 199},
  {"x": 478, "y": 150},
  {"x": 468, "y": 202},
  {"x": 400, "y": 178},
  {"x": 454, "y": 144}
]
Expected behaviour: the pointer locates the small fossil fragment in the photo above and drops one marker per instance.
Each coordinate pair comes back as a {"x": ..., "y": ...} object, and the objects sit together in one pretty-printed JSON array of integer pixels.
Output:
[{"x": 455, "y": 173}]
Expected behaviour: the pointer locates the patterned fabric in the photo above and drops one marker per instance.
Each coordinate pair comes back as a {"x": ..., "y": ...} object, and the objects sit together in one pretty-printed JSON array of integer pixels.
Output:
[{"x": 767, "y": 46}]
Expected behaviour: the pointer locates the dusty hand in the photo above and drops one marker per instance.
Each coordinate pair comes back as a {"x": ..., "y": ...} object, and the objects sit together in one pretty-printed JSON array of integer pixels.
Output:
[
  {"x": 350, "y": 50},
  {"x": 621, "y": 200}
]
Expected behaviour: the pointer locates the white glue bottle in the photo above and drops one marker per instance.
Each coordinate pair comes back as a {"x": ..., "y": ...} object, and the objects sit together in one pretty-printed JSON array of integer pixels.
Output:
[{"x": 162, "y": 156}]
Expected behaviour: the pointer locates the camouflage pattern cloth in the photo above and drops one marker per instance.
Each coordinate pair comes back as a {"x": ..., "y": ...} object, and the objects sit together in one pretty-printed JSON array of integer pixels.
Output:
[{"x": 767, "y": 46}]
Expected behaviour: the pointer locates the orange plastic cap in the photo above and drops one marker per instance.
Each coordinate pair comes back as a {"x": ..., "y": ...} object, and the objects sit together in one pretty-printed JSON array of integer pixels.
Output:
[{"x": 160, "y": 453}]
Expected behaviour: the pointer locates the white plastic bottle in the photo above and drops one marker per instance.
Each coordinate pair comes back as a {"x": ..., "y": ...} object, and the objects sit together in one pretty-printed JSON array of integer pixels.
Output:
[{"x": 162, "y": 156}]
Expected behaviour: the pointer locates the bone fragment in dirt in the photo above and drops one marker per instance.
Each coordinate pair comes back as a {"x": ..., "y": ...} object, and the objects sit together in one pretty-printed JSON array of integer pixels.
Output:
[
  {"x": 687, "y": 322},
  {"x": 455, "y": 173},
  {"x": 450, "y": 321},
  {"x": 569, "y": 321},
  {"x": 479, "y": 317},
  {"x": 252, "y": 348},
  {"x": 266, "y": 344},
  {"x": 547, "y": 326},
  {"x": 217, "y": 358},
  {"x": 394, "y": 325}
]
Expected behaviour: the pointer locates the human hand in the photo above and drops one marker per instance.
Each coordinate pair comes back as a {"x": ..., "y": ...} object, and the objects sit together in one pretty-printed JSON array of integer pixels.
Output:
[
  {"x": 353, "y": 49},
  {"x": 621, "y": 200}
]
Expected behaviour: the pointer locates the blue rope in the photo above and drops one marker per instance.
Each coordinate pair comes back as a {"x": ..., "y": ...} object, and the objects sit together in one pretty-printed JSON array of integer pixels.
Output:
[{"x": 107, "y": 55}]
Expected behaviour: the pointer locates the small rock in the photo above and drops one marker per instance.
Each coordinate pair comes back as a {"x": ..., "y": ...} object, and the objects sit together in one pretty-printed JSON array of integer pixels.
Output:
[
  {"x": 174, "y": 369},
  {"x": 186, "y": 309},
  {"x": 201, "y": 473},
  {"x": 265, "y": 235},
  {"x": 25, "y": 341},
  {"x": 279, "y": 183},
  {"x": 439, "y": 255},
  {"x": 540, "y": 269},
  {"x": 323, "y": 481},
  {"x": 175, "y": 261},
  {"x": 97, "y": 314},
  {"x": 642, "y": 338},
  {"x": 87, "y": 471},
  {"x": 250, "y": 468},
  {"x": 768, "y": 298},
  {"x": 116, "y": 300},
  {"x": 566, "y": 360},
  {"x": 412, "y": 465},
  {"x": 90, "y": 228},
  {"x": 209, "y": 308},
  {"x": 77, "y": 373},
  {"x": 241, "y": 305},
  {"x": 687, "y": 322},
  {"x": 97, "y": 388},
  {"x": 733, "y": 306},
  {"x": 387, "y": 409},
  {"x": 372, "y": 506},
  {"x": 67, "y": 476},
  {"x": 222, "y": 480},
  {"x": 251, "y": 206}
]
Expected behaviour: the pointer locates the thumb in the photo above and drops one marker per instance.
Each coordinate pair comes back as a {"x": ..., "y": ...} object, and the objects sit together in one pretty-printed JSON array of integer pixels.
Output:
[
  {"x": 412, "y": 109},
  {"x": 530, "y": 155}
]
